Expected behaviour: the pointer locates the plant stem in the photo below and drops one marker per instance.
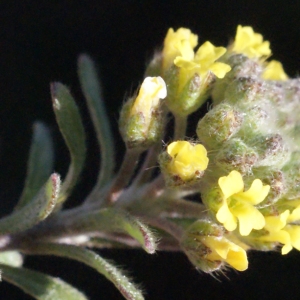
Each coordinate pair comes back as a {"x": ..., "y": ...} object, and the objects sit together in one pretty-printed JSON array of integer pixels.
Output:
[
  {"x": 124, "y": 175},
  {"x": 180, "y": 127}
]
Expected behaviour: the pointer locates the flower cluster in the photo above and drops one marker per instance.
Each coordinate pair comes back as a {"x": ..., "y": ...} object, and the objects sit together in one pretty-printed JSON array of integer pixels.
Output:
[{"x": 240, "y": 167}]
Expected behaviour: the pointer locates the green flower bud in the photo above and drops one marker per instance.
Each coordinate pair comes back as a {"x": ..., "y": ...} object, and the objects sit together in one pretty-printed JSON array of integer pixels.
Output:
[
  {"x": 272, "y": 150},
  {"x": 192, "y": 95},
  {"x": 255, "y": 121},
  {"x": 292, "y": 175},
  {"x": 219, "y": 125},
  {"x": 241, "y": 66},
  {"x": 236, "y": 155},
  {"x": 245, "y": 91},
  {"x": 141, "y": 123}
]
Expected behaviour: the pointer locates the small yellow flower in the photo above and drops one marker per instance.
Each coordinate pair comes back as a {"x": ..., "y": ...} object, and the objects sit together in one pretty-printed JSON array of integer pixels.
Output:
[
  {"x": 203, "y": 62},
  {"x": 250, "y": 43},
  {"x": 172, "y": 45},
  {"x": 187, "y": 160},
  {"x": 224, "y": 250},
  {"x": 274, "y": 71},
  {"x": 239, "y": 205},
  {"x": 152, "y": 90},
  {"x": 281, "y": 231}
]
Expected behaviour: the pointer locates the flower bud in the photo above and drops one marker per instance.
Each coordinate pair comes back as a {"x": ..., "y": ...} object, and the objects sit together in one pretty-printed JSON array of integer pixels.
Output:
[
  {"x": 236, "y": 155},
  {"x": 272, "y": 150},
  {"x": 183, "y": 163},
  {"x": 245, "y": 91},
  {"x": 241, "y": 66},
  {"x": 219, "y": 125},
  {"x": 209, "y": 250},
  {"x": 292, "y": 175},
  {"x": 141, "y": 121},
  {"x": 195, "y": 76}
]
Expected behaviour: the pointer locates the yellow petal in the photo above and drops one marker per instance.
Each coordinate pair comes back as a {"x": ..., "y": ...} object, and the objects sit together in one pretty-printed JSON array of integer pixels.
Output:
[
  {"x": 286, "y": 249},
  {"x": 219, "y": 69},
  {"x": 249, "y": 217},
  {"x": 208, "y": 53},
  {"x": 280, "y": 236},
  {"x": 257, "y": 192},
  {"x": 231, "y": 184},
  {"x": 237, "y": 258},
  {"x": 250, "y": 43},
  {"x": 294, "y": 232},
  {"x": 225, "y": 217},
  {"x": 274, "y": 71},
  {"x": 295, "y": 215},
  {"x": 173, "y": 45},
  {"x": 276, "y": 223},
  {"x": 223, "y": 249}
]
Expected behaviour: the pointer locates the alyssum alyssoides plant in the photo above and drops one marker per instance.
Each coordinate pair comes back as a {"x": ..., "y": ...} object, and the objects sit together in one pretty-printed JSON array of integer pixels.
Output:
[{"x": 243, "y": 168}]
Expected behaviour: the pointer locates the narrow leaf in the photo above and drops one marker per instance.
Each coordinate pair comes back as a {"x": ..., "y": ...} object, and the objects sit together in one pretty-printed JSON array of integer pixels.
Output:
[
  {"x": 40, "y": 163},
  {"x": 70, "y": 125},
  {"x": 35, "y": 211},
  {"x": 92, "y": 91},
  {"x": 92, "y": 259},
  {"x": 112, "y": 220},
  {"x": 39, "y": 285},
  {"x": 12, "y": 258}
]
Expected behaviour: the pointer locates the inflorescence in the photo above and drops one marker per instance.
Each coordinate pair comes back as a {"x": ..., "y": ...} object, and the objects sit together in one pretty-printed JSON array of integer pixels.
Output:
[{"x": 232, "y": 189}]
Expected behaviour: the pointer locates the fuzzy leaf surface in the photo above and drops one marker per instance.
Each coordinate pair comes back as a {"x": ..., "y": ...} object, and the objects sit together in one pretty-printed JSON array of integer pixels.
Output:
[
  {"x": 35, "y": 211},
  {"x": 92, "y": 259},
  {"x": 71, "y": 127},
  {"x": 40, "y": 163},
  {"x": 91, "y": 88},
  {"x": 39, "y": 285}
]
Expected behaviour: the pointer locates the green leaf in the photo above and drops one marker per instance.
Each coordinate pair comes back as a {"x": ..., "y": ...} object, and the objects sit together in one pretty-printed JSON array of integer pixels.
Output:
[
  {"x": 92, "y": 259},
  {"x": 39, "y": 285},
  {"x": 35, "y": 211},
  {"x": 12, "y": 258},
  {"x": 92, "y": 91},
  {"x": 70, "y": 125},
  {"x": 40, "y": 163},
  {"x": 112, "y": 220}
]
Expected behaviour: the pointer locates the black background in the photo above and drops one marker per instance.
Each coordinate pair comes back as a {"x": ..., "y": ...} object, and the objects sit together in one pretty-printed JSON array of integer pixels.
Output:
[{"x": 40, "y": 42}]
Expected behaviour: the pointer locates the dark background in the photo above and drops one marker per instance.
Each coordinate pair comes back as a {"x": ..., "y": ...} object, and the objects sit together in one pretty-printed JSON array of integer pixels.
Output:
[{"x": 40, "y": 42}]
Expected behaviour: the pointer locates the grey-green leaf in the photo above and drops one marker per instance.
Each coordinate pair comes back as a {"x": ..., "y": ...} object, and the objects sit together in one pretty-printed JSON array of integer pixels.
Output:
[
  {"x": 90, "y": 85},
  {"x": 70, "y": 125},
  {"x": 92, "y": 259},
  {"x": 116, "y": 220},
  {"x": 39, "y": 285},
  {"x": 40, "y": 163},
  {"x": 35, "y": 211},
  {"x": 12, "y": 258}
]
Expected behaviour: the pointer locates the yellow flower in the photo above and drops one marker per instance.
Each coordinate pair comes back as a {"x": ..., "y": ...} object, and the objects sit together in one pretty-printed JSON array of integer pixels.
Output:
[
  {"x": 250, "y": 43},
  {"x": 279, "y": 230},
  {"x": 152, "y": 90},
  {"x": 224, "y": 250},
  {"x": 173, "y": 42},
  {"x": 274, "y": 71},
  {"x": 188, "y": 160},
  {"x": 203, "y": 62},
  {"x": 239, "y": 206}
]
